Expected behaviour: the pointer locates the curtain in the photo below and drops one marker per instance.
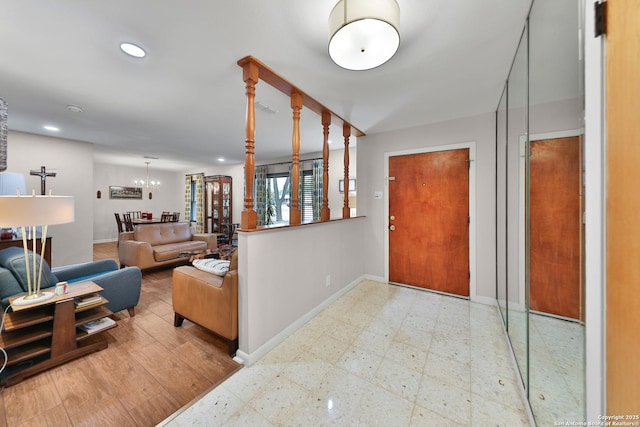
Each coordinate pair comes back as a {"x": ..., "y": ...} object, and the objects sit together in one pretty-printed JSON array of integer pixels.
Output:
[
  {"x": 199, "y": 179},
  {"x": 187, "y": 197},
  {"x": 261, "y": 196},
  {"x": 317, "y": 188}
]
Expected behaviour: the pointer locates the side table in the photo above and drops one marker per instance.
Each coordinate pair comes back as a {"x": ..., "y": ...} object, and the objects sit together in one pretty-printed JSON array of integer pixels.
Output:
[{"x": 40, "y": 336}]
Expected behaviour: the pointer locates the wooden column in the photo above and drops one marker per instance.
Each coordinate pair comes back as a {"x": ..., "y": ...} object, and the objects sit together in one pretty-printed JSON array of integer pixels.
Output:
[
  {"x": 324, "y": 211},
  {"x": 294, "y": 210},
  {"x": 346, "y": 132},
  {"x": 249, "y": 217}
]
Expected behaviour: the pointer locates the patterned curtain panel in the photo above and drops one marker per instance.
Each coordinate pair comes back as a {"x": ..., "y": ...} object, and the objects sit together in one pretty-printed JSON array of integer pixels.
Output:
[
  {"x": 261, "y": 196},
  {"x": 199, "y": 179},
  {"x": 187, "y": 197},
  {"x": 317, "y": 188}
]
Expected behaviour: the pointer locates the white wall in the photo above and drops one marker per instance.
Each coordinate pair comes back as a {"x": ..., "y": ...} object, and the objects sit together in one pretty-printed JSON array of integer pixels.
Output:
[
  {"x": 371, "y": 151},
  {"x": 283, "y": 278},
  {"x": 72, "y": 161},
  {"x": 169, "y": 197}
]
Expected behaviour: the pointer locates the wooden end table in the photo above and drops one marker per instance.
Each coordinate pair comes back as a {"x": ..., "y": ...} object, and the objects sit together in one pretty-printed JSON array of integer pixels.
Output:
[{"x": 42, "y": 335}]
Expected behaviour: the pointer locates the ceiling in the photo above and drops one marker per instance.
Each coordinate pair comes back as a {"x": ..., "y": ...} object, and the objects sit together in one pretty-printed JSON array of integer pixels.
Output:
[{"x": 184, "y": 103}]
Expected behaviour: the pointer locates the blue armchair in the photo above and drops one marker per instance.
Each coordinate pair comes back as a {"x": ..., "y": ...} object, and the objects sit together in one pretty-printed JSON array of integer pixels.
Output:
[{"x": 121, "y": 286}]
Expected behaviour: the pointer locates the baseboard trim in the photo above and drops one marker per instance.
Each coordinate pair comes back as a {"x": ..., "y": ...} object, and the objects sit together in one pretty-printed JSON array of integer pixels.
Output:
[
  {"x": 248, "y": 359},
  {"x": 484, "y": 300},
  {"x": 105, "y": 240}
]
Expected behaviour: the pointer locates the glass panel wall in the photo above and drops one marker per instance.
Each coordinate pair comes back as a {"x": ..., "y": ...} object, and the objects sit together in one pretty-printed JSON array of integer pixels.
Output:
[
  {"x": 539, "y": 212},
  {"x": 501, "y": 210},
  {"x": 517, "y": 101}
]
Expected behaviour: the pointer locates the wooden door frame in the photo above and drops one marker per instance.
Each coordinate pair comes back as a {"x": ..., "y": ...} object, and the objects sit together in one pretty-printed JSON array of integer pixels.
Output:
[
  {"x": 569, "y": 133},
  {"x": 472, "y": 208}
]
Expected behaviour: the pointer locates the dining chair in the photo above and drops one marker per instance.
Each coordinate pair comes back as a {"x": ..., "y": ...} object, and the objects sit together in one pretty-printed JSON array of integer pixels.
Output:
[
  {"x": 119, "y": 222},
  {"x": 176, "y": 216},
  {"x": 128, "y": 223},
  {"x": 166, "y": 217}
]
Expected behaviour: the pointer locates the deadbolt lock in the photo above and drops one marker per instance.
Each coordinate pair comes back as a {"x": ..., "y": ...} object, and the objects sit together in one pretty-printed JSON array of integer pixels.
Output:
[
  {"x": 392, "y": 217},
  {"x": 392, "y": 227}
]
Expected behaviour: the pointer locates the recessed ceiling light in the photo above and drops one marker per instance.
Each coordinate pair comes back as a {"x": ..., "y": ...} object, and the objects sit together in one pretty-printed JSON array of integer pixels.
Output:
[
  {"x": 133, "y": 50},
  {"x": 51, "y": 128},
  {"x": 220, "y": 159},
  {"x": 74, "y": 108}
]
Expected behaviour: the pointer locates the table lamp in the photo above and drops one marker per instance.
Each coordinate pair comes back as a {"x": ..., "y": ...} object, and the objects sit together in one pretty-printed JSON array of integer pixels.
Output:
[{"x": 31, "y": 212}]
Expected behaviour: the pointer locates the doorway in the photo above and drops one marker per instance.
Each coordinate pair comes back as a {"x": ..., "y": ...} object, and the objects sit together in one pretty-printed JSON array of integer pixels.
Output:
[
  {"x": 556, "y": 227},
  {"x": 429, "y": 219}
]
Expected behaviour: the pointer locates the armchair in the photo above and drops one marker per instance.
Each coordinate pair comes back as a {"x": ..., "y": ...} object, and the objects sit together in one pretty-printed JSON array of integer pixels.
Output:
[{"x": 121, "y": 286}]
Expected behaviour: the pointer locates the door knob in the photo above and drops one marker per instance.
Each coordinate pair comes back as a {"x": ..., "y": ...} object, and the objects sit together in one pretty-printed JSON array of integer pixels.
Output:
[{"x": 392, "y": 227}]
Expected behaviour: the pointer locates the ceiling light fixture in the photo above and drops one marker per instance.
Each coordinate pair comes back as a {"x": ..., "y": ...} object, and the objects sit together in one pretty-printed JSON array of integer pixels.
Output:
[
  {"x": 133, "y": 50},
  {"x": 363, "y": 34},
  {"x": 51, "y": 128},
  {"x": 151, "y": 185},
  {"x": 74, "y": 108}
]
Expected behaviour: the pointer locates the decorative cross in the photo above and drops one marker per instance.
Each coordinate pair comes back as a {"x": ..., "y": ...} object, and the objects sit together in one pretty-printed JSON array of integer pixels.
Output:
[{"x": 43, "y": 174}]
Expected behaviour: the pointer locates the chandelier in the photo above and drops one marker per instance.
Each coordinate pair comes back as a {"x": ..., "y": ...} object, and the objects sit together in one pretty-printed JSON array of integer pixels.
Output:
[{"x": 149, "y": 184}]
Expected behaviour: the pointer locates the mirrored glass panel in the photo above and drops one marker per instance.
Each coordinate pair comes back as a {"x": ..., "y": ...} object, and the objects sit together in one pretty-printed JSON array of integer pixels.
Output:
[
  {"x": 517, "y": 101},
  {"x": 556, "y": 205},
  {"x": 540, "y": 210},
  {"x": 501, "y": 211}
]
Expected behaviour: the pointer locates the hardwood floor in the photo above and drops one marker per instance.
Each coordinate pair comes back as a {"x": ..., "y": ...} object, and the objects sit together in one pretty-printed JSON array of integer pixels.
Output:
[{"x": 150, "y": 369}]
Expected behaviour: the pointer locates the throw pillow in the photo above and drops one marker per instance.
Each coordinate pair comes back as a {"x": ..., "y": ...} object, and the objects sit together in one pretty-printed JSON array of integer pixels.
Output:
[
  {"x": 214, "y": 266},
  {"x": 12, "y": 259}
]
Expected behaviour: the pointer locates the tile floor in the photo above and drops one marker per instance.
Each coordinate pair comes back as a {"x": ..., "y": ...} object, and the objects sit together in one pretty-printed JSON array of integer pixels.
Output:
[
  {"x": 556, "y": 365},
  {"x": 380, "y": 355}
]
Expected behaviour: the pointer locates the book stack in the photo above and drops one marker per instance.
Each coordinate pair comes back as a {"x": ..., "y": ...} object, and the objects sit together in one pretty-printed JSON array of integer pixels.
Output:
[
  {"x": 88, "y": 300},
  {"x": 97, "y": 325}
]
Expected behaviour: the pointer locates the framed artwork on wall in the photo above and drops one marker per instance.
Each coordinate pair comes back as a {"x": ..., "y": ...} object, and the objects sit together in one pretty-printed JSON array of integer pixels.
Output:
[
  {"x": 352, "y": 185},
  {"x": 118, "y": 192}
]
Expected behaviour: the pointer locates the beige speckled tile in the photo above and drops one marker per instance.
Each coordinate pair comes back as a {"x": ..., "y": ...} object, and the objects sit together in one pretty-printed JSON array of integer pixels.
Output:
[{"x": 379, "y": 355}]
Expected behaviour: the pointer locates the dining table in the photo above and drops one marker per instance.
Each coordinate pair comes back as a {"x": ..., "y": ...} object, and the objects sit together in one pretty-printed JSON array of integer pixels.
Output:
[{"x": 140, "y": 221}]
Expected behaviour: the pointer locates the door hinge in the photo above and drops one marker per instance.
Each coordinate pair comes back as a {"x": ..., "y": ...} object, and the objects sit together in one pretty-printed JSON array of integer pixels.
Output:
[{"x": 600, "y": 18}]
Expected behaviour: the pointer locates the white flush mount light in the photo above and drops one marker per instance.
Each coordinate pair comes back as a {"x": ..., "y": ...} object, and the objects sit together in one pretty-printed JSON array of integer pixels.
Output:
[
  {"x": 220, "y": 159},
  {"x": 133, "y": 50},
  {"x": 74, "y": 108},
  {"x": 51, "y": 128},
  {"x": 363, "y": 34}
]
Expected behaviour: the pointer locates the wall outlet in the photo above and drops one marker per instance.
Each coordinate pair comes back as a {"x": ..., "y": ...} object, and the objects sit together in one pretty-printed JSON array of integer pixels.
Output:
[{"x": 327, "y": 280}]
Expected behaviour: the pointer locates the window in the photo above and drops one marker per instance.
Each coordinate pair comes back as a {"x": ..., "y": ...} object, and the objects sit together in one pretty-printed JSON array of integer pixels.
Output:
[
  {"x": 279, "y": 189},
  {"x": 194, "y": 207}
]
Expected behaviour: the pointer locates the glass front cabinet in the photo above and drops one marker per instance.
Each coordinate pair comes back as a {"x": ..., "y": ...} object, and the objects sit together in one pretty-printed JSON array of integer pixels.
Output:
[{"x": 217, "y": 201}]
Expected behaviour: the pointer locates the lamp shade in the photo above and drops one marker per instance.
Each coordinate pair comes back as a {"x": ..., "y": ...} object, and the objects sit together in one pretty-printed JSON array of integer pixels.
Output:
[
  {"x": 33, "y": 211},
  {"x": 363, "y": 34}
]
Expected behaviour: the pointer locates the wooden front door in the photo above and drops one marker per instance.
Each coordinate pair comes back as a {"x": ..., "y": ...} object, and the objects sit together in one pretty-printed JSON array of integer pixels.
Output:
[
  {"x": 556, "y": 227},
  {"x": 429, "y": 220}
]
